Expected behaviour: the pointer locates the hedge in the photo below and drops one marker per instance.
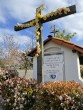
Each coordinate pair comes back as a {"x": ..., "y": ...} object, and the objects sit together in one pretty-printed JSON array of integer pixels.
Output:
[{"x": 25, "y": 94}]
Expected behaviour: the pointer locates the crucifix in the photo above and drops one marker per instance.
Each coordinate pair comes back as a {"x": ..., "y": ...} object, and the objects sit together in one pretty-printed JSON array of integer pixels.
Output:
[
  {"x": 54, "y": 30},
  {"x": 38, "y": 22}
]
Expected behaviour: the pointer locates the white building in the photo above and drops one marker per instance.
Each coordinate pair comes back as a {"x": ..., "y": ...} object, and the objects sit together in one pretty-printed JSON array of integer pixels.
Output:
[{"x": 62, "y": 60}]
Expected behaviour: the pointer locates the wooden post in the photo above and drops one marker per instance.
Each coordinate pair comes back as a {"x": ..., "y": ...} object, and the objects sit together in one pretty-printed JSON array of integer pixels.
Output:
[{"x": 40, "y": 40}]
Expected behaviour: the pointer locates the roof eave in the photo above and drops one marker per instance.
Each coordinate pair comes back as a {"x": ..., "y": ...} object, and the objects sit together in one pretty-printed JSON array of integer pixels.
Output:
[{"x": 59, "y": 41}]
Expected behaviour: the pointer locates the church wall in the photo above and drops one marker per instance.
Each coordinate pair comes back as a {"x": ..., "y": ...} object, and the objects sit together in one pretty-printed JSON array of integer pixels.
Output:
[{"x": 71, "y": 68}]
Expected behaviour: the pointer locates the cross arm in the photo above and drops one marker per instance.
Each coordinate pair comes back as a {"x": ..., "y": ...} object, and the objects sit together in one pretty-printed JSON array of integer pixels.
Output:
[
  {"x": 25, "y": 25},
  {"x": 28, "y": 24},
  {"x": 46, "y": 18},
  {"x": 57, "y": 14}
]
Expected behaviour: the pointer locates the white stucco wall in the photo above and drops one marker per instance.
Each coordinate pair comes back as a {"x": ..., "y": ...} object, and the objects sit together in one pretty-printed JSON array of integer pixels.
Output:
[{"x": 71, "y": 62}]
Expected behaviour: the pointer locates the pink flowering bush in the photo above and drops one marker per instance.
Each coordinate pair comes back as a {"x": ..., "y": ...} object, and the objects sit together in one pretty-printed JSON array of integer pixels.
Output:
[
  {"x": 3, "y": 74},
  {"x": 18, "y": 94},
  {"x": 7, "y": 74},
  {"x": 26, "y": 94},
  {"x": 60, "y": 96}
]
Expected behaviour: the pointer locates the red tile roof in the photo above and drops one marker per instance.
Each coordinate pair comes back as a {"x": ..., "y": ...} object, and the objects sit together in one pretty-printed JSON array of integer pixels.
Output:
[{"x": 74, "y": 47}]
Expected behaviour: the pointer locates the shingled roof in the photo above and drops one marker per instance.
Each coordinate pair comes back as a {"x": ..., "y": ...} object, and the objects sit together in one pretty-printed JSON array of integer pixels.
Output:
[{"x": 73, "y": 46}]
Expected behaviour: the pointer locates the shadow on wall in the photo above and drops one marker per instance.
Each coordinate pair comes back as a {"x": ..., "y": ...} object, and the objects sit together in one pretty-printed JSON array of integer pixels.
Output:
[{"x": 81, "y": 70}]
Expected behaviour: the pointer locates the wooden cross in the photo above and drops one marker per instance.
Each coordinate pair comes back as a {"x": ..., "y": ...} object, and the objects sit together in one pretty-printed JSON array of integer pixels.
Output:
[{"x": 38, "y": 21}]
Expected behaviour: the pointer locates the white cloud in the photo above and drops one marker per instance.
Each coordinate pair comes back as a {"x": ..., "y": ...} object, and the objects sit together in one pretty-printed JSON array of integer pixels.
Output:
[
  {"x": 2, "y": 18},
  {"x": 2, "y": 14},
  {"x": 20, "y": 9},
  {"x": 1, "y": 40},
  {"x": 20, "y": 39},
  {"x": 54, "y": 4},
  {"x": 79, "y": 5},
  {"x": 25, "y": 9}
]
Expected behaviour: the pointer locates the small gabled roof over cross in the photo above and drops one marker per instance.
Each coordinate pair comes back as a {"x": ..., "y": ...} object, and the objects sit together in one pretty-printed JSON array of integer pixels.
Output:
[{"x": 73, "y": 46}]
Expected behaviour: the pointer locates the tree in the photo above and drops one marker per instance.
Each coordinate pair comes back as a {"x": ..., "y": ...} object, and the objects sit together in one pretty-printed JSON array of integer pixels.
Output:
[
  {"x": 26, "y": 62},
  {"x": 2, "y": 65},
  {"x": 9, "y": 51},
  {"x": 63, "y": 34}
]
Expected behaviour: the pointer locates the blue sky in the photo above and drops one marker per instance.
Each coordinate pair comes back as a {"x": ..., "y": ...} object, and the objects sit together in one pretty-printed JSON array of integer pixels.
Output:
[{"x": 19, "y": 11}]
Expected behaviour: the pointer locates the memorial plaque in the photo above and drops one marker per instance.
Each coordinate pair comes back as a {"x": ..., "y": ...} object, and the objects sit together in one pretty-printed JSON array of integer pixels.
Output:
[{"x": 53, "y": 67}]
